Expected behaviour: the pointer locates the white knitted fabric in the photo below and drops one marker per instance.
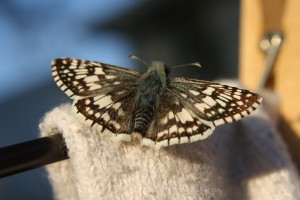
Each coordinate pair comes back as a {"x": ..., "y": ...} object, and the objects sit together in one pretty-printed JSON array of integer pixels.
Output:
[{"x": 243, "y": 160}]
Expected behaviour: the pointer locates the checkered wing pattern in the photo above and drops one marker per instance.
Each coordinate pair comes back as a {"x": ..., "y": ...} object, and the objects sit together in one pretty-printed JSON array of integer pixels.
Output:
[
  {"x": 185, "y": 110},
  {"x": 190, "y": 110},
  {"x": 103, "y": 94},
  {"x": 82, "y": 78}
]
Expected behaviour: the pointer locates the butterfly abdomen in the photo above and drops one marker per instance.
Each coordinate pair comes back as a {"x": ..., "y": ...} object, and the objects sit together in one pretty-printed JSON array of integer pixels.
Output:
[
  {"x": 142, "y": 119},
  {"x": 150, "y": 88}
]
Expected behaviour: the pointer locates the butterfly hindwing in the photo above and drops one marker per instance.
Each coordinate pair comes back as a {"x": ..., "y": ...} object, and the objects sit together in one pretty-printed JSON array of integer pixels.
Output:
[
  {"x": 175, "y": 124},
  {"x": 109, "y": 111}
]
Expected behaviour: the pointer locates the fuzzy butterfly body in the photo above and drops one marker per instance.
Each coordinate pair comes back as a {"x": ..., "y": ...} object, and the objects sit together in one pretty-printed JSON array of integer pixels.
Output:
[{"x": 155, "y": 109}]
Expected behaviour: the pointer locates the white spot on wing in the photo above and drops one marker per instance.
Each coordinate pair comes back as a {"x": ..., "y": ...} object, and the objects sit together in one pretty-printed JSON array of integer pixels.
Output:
[
  {"x": 228, "y": 119},
  {"x": 170, "y": 115},
  {"x": 173, "y": 129},
  {"x": 90, "y": 112},
  {"x": 202, "y": 136},
  {"x": 93, "y": 78},
  {"x": 162, "y": 143},
  {"x": 221, "y": 110},
  {"x": 162, "y": 134},
  {"x": 120, "y": 112},
  {"x": 173, "y": 141},
  {"x": 184, "y": 140},
  {"x": 225, "y": 96},
  {"x": 184, "y": 116},
  {"x": 106, "y": 117},
  {"x": 97, "y": 115},
  {"x": 240, "y": 103},
  {"x": 116, "y": 105},
  {"x": 99, "y": 70},
  {"x": 181, "y": 130},
  {"x": 202, "y": 106},
  {"x": 237, "y": 116},
  {"x": 208, "y": 91},
  {"x": 183, "y": 95},
  {"x": 222, "y": 103},
  {"x": 59, "y": 83},
  {"x": 95, "y": 87},
  {"x": 237, "y": 97},
  {"x": 164, "y": 120},
  {"x": 244, "y": 113},
  {"x": 87, "y": 101},
  {"x": 80, "y": 76},
  {"x": 54, "y": 73},
  {"x": 219, "y": 122},
  {"x": 117, "y": 126},
  {"x": 110, "y": 77},
  {"x": 105, "y": 101},
  {"x": 116, "y": 83},
  {"x": 63, "y": 87},
  {"x": 194, "y": 92},
  {"x": 210, "y": 101},
  {"x": 69, "y": 92}
]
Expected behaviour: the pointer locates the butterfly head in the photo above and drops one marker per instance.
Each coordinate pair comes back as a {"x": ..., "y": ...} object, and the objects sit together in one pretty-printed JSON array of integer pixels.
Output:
[{"x": 159, "y": 67}]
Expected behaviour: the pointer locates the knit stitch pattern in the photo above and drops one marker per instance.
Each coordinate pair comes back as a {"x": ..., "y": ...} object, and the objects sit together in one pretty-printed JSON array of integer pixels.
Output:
[{"x": 243, "y": 160}]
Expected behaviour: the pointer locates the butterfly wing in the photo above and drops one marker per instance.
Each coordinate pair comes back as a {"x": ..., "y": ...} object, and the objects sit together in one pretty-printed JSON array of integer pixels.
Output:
[
  {"x": 109, "y": 111},
  {"x": 103, "y": 94},
  {"x": 82, "y": 78},
  {"x": 214, "y": 102},
  {"x": 194, "y": 108},
  {"x": 174, "y": 124}
]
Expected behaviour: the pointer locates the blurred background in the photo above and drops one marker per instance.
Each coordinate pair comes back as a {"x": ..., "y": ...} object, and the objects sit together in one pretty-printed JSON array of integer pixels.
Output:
[{"x": 32, "y": 33}]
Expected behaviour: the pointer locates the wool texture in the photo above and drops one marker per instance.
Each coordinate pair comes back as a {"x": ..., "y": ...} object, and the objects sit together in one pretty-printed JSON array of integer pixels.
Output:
[{"x": 243, "y": 160}]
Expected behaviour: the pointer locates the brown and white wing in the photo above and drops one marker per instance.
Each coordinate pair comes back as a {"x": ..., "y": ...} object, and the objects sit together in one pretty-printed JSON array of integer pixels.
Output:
[
  {"x": 190, "y": 110},
  {"x": 103, "y": 94}
]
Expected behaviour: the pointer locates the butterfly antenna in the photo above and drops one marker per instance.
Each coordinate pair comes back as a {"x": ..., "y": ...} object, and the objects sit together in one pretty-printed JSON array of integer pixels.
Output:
[
  {"x": 137, "y": 58},
  {"x": 196, "y": 64}
]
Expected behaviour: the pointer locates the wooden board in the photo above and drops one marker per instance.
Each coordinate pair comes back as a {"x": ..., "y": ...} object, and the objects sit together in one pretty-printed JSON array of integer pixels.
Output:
[{"x": 257, "y": 18}]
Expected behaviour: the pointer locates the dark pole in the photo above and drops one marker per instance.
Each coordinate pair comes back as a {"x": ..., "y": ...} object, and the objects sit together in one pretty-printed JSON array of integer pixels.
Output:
[{"x": 32, "y": 154}]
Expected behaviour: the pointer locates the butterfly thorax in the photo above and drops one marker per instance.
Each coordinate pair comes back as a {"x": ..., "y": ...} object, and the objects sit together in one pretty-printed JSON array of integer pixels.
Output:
[{"x": 150, "y": 86}]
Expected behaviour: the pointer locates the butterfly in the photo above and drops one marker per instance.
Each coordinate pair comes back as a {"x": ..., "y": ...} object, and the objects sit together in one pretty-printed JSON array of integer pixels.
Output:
[{"x": 149, "y": 107}]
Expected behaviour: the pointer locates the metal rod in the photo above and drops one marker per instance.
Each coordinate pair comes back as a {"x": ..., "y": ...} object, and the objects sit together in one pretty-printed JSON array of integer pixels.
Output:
[
  {"x": 32, "y": 154},
  {"x": 270, "y": 44}
]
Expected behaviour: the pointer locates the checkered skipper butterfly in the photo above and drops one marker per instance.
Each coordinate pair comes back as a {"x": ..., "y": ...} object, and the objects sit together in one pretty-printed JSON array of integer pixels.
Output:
[{"x": 151, "y": 107}]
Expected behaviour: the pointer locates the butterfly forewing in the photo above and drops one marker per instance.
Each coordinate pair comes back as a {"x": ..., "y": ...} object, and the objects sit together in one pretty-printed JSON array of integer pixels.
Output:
[
  {"x": 213, "y": 102},
  {"x": 82, "y": 78}
]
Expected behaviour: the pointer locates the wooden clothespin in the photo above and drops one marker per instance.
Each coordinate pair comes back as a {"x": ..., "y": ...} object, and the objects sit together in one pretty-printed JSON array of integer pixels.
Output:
[{"x": 278, "y": 17}]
